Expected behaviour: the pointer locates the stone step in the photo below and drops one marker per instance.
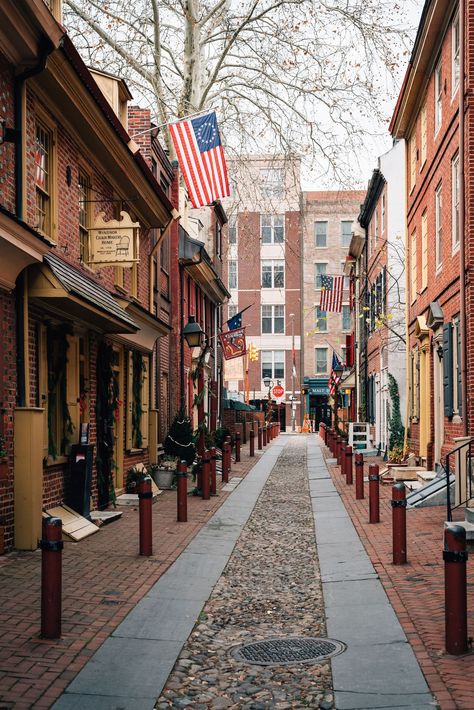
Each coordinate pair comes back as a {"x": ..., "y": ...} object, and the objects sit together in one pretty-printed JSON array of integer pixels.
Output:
[{"x": 469, "y": 515}]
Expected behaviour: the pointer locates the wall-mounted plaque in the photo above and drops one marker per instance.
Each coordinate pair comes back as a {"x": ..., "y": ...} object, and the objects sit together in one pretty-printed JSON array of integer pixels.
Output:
[{"x": 113, "y": 243}]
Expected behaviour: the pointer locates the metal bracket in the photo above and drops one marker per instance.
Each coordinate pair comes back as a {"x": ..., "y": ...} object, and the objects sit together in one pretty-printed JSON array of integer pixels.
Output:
[
  {"x": 374, "y": 477},
  {"x": 146, "y": 494},
  {"x": 455, "y": 556},
  {"x": 51, "y": 545},
  {"x": 398, "y": 503}
]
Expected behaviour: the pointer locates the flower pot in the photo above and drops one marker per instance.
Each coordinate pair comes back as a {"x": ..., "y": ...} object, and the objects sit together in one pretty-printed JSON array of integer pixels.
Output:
[{"x": 163, "y": 477}]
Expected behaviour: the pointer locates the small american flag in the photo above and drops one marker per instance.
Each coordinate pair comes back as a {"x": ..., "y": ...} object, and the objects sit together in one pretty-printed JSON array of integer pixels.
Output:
[
  {"x": 334, "y": 377},
  {"x": 332, "y": 288},
  {"x": 201, "y": 157}
]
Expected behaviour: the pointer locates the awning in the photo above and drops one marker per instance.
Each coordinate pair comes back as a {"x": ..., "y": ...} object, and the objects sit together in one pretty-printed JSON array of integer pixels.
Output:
[
  {"x": 317, "y": 385},
  {"x": 150, "y": 327},
  {"x": 348, "y": 382},
  {"x": 67, "y": 291}
]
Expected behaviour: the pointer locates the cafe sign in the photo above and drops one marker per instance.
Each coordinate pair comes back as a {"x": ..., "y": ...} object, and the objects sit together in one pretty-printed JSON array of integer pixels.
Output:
[{"x": 113, "y": 243}]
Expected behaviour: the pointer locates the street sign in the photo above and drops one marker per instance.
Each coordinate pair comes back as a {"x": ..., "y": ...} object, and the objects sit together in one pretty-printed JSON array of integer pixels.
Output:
[{"x": 278, "y": 391}]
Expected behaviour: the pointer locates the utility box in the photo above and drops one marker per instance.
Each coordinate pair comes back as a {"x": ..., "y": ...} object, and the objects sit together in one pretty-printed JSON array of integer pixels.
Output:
[{"x": 78, "y": 491}]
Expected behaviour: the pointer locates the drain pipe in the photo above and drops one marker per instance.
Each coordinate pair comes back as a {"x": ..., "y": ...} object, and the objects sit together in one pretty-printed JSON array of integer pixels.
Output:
[{"x": 462, "y": 221}]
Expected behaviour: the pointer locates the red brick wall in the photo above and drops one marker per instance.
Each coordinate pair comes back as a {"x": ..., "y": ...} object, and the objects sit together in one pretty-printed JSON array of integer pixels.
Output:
[
  {"x": 7, "y": 164},
  {"x": 7, "y": 406}
]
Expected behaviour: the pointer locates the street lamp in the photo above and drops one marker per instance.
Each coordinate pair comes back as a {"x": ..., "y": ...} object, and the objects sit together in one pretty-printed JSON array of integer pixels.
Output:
[
  {"x": 338, "y": 370},
  {"x": 192, "y": 333}
]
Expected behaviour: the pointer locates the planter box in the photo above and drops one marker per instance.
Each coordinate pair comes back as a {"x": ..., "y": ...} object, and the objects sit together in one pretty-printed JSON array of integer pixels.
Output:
[{"x": 163, "y": 477}]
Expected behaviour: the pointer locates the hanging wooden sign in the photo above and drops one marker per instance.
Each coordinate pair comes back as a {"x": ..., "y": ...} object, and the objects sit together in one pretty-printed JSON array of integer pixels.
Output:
[
  {"x": 233, "y": 343},
  {"x": 113, "y": 243}
]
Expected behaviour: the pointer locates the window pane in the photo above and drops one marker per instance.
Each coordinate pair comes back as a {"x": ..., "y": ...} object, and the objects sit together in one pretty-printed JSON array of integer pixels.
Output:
[
  {"x": 232, "y": 273},
  {"x": 321, "y": 319},
  {"x": 321, "y": 360},
  {"x": 233, "y": 229},
  {"x": 266, "y": 319},
  {"x": 271, "y": 182},
  {"x": 279, "y": 364},
  {"x": 279, "y": 274},
  {"x": 232, "y": 310},
  {"x": 346, "y": 233},
  {"x": 346, "y": 318},
  {"x": 266, "y": 274},
  {"x": 319, "y": 270},
  {"x": 266, "y": 363},
  {"x": 320, "y": 233}
]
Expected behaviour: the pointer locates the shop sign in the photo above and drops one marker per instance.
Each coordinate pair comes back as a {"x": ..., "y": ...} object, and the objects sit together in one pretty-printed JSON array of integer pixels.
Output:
[
  {"x": 233, "y": 343},
  {"x": 113, "y": 243}
]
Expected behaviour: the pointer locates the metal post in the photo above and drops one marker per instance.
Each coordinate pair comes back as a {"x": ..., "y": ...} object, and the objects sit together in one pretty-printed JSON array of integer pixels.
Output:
[
  {"x": 259, "y": 438},
  {"x": 252, "y": 443},
  {"x": 225, "y": 461},
  {"x": 399, "y": 523},
  {"x": 229, "y": 454},
  {"x": 264, "y": 433},
  {"x": 348, "y": 458},
  {"x": 237, "y": 447},
  {"x": 182, "y": 492},
  {"x": 342, "y": 455},
  {"x": 374, "y": 506},
  {"x": 213, "y": 453},
  {"x": 359, "y": 476},
  {"x": 51, "y": 545},
  {"x": 145, "y": 500},
  {"x": 455, "y": 597},
  {"x": 206, "y": 475},
  {"x": 338, "y": 449}
]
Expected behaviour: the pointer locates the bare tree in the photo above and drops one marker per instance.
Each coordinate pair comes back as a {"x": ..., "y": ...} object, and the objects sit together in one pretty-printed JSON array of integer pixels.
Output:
[{"x": 286, "y": 76}]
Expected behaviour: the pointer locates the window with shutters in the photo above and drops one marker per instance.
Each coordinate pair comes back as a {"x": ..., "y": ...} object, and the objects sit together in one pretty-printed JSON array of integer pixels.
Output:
[
  {"x": 412, "y": 162},
  {"x": 84, "y": 209},
  {"x": 438, "y": 96},
  {"x": 455, "y": 201},
  {"x": 415, "y": 385},
  {"x": 45, "y": 178},
  {"x": 413, "y": 270},
  {"x": 424, "y": 137},
  {"x": 456, "y": 372},
  {"x": 448, "y": 369},
  {"x": 138, "y": 398},
  {"x": 424, "y": 250},
  {"x": 439, "y": 226}
]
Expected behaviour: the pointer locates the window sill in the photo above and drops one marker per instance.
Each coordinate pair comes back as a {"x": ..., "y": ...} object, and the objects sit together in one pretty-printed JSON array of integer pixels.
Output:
[
  {"x": 120, "y": 289},
  {"x": 137, "y": 451},
  {"x": 59, "y": 461}
]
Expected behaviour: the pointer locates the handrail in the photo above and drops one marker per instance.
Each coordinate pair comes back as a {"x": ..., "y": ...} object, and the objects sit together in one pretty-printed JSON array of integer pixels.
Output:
[{"x": 468, "y": 493}]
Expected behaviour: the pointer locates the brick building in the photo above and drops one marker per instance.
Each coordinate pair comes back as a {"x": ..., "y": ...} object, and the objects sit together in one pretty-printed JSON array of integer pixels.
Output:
[
  {"x": 378, "y": 269},
  {"x": 438, "y": 231},
  {"x": 263, "y": 270},
  {"x": 80, "y": 347},
  {"x": 328, "y": 219}
]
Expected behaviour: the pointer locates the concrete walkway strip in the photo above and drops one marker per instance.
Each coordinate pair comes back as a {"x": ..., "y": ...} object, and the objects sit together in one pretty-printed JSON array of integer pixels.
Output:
[
  {"x": 130, "y": 669},
  {"x": 378, "y": 669}
]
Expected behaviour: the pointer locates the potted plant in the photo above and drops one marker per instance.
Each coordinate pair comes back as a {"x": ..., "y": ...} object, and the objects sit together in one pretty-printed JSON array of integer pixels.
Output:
[
  {"x": 134, "y": 476},
  {"x": 163, "y": 473}
]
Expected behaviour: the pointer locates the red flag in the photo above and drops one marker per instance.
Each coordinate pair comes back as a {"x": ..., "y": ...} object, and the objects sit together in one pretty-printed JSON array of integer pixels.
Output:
[
  {"x": 201, "y": 157},
  {"x": 233, "y": 343}
]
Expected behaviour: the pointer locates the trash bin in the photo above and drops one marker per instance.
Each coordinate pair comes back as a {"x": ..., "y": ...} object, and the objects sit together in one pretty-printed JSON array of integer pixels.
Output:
[{"x": 78, "y": 490}]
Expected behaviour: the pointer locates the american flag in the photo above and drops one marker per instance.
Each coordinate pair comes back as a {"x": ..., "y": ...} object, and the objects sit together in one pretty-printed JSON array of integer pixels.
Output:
[
  {"x": 201, "y": 157},
  {"x": 335, "y": 377},
  {"x": 332, "y": 288}
]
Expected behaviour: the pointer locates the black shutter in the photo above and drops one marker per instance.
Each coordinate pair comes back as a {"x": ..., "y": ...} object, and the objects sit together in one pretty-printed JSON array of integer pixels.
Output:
[
  {"x": 448, "y": 369},
  {"x": 459, "y": 380}
]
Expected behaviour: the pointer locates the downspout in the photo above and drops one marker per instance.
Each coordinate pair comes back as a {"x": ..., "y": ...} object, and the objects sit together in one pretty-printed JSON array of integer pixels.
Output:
[
  {"x": 462, "y": 219},
  {"x": 407, "y": 313},
  {"x": 21, "y": 295}
]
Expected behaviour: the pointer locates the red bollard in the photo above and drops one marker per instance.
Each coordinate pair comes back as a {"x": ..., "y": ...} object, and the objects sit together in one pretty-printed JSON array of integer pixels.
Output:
[
  {"x": 213, "y": 453},
  {"x": 348, "y": 458},
  {"x": 264, "y": 435},
  {"x": 145, "y": 500},
  {"x": 329, "y": 440},
  {"x": 259, "y": 438},
  {"x": 338, "y": 450},
  {"x": 206, "y": 475},
  {"x": 237, "y": 447},
  {"x": 341, "y": 460},
  {"x": 182, "y": 492},
  {"x": 325, "y": 434},
  {"x": 229, "y": 455},
  {"x": 399, "y": 524},
  {"x": 374, "y": 506},
  {"x": 359, "y": 476},
  {"x": 252, "y": 443},
  {"x": 455, "y": 596},
  {"x": 51, "y": 545},
  {"x": 225, "y": 461}
]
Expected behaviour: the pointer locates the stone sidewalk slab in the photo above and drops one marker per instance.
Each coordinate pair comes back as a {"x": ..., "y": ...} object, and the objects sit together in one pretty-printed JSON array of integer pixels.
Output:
[{"x": 378, "y": 669}]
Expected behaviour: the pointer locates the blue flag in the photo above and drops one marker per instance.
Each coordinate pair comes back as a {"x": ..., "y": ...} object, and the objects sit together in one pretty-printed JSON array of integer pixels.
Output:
[{"x": 235, "y": 321}]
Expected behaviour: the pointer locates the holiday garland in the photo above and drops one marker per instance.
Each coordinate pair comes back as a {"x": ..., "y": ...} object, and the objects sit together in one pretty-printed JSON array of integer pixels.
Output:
[
  {"x": 395, "y": 417},
  {"x": 138, "y": 368},
  {"x": 107, "y": 405},
  {"x": 57, "y": 347}
]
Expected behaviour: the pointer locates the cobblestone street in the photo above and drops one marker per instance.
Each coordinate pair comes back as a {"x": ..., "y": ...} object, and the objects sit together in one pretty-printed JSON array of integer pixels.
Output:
[{"x": 270, "y": 587}]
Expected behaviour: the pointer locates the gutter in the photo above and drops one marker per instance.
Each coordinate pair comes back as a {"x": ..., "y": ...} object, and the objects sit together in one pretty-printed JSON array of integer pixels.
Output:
[{"x": 462, "y": 220}]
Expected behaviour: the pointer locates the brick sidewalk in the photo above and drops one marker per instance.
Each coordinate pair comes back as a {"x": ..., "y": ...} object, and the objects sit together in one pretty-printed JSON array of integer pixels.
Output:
[
  {"x": 103, "y": 578},
  {"x": 416, "y": 590}
]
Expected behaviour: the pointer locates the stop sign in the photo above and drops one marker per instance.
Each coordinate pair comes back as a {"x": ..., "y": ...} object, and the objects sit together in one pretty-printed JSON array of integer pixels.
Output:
[{"x": 278, "y": 391}]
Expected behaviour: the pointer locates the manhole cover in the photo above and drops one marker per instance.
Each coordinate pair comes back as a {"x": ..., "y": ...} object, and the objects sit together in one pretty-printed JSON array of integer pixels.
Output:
[{"x": 292, "y": 649}]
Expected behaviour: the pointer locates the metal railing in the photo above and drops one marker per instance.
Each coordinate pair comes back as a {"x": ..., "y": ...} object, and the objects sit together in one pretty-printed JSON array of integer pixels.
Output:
[{"x": 459, "y": 462}]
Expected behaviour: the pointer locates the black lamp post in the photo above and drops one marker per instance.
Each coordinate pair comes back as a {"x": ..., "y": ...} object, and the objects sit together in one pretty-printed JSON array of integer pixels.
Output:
[
  {"x": 192, "y": 333},
  {"x": 338, "y": 370}
]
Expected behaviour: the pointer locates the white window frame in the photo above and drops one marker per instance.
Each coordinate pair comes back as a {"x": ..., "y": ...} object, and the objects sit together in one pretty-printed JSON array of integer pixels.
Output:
[
  {"x": 412, "y": 162},
  {"x": 439, "y": 226},
  {"x": 233, "y": 261},
  {"x": 424, "y": 250},
  {"x": 272, "y": 376},
  {"x": 318, "y": 246},
  {"x": 271, "y": 218},
  {"x": 272, "y": 318},
  {"x": 455, "y": 54},
  {"x": 455, "y": 184},
  {"x": 323, "y": 318},
  {"x": 413, "y": 267},
  {"x": 316, "y": 371},
  {"x": 438, "y": 96},
  {"x": 348, "y": 329},
  {"x": 273, "y": 263},
  {"x": 424, "y": 136},
  {"x": 233, "y": 228},
  {"x": 345, "y": 221},
  {"x": 317, "y": 275}
]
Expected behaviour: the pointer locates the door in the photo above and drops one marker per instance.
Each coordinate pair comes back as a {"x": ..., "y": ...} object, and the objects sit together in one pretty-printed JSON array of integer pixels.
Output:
[{"x": 438, "y": 408}]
